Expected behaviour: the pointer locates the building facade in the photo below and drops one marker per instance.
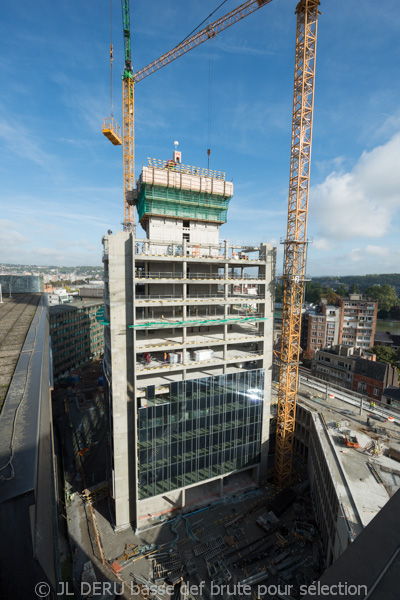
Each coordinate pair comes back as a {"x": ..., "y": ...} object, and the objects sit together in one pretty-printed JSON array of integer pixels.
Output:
[
  {"x": 353, "y": 369},
  {"x": 77, "y": 337},
  {"x": 320, "y": 328},
  {"x": 351, "y": 323},
  {"x": 188, "y": 351},
  {"x": 358, "y": 321}
]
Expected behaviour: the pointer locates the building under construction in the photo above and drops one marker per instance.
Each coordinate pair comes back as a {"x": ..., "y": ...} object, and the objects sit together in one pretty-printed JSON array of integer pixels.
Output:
[{"x": 188, "y": 346}]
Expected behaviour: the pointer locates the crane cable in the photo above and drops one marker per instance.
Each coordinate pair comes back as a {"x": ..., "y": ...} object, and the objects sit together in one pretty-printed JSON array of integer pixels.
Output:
[
  {"x": 210, "y": 15},
  {"x": 210, "y": 90},
  {"x": 111, "y": 60}
]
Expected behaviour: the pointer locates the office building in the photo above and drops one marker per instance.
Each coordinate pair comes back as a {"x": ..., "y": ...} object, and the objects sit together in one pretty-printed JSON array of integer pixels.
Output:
[
  {"x": 76, "y": 335},
  {"x": 188, "y": 348}
]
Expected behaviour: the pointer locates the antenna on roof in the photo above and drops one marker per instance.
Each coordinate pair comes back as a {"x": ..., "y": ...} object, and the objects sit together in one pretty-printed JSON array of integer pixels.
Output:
[{"x": 177, "y": 154}]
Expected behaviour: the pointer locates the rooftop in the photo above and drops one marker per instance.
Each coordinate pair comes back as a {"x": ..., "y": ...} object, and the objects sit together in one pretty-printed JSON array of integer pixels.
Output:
[
  {"x": 392, "y": 392},
  {"x": 365, "y": 480},
  {"x": 73, "y": 306},
  {"x": 16, "y": 314},
  {"x": 19, "y": 419}
]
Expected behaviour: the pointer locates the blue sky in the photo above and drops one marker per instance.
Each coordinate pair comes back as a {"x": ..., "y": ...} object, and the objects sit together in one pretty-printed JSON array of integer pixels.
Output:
[{"x": 61, "y": 180}]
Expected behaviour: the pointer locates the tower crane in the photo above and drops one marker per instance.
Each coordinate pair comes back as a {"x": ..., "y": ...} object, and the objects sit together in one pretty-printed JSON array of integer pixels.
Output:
[
  {"x": 296, "y": 241},
  {"x": 295, "y": 245},
  {"x": 110, "y": 128}
]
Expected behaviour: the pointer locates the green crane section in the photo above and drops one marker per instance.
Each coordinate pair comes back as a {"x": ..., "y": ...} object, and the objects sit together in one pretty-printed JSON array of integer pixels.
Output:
[{"x": 126, "y": 25}]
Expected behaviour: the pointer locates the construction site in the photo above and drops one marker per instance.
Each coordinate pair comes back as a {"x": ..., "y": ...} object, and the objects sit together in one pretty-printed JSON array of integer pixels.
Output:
[
  {"x": 198, "y": 476},
  {"x": 182, "y": 468},
  {"x": 251, "y": 540}
]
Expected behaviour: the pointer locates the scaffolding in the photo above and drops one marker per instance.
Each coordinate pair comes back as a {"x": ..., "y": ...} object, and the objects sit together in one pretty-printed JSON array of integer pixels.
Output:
[{"x": 179, "y": 203}]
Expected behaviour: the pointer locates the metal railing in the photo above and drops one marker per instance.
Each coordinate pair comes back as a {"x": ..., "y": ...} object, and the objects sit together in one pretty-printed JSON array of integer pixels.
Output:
[
  {"x": 234, "y": 297},
  {"x": 197, "y": 276},
  {"x": 189, "y": 170}
]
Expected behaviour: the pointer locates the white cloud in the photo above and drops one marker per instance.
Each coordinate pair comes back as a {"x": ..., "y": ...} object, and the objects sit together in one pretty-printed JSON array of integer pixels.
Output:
[
  {"x": 10, "y": 237},
  {"x": 374, "y": 252},
  {"x": 23, "y": 143},
  {"x": 377, "y": 251},
  {"x": 321, "y": 244},
  {"x": 362, "y": 202}
]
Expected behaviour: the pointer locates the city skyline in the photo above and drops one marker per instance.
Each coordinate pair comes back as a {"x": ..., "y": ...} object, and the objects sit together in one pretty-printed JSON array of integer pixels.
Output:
[{"x": 62, "y": 180}]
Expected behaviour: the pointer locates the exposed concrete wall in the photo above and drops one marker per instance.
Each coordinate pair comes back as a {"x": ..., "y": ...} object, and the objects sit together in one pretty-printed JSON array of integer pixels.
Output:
[
  {"x": 128, "y": 259},
  {"x": 120, "y": 306},
  {"x": 332, "y": 520},
  {"x": 166, "y": 229}
]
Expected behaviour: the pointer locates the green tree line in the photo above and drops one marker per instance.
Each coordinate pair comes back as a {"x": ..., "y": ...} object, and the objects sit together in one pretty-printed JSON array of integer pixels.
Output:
[{"x": 388, "y": 301}]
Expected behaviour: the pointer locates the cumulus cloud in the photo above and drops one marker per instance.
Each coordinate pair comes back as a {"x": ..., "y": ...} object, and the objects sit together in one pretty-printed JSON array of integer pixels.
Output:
[
  {"x": 321, "y": 244},
  {"x": 361, "y": 202},
  {"x": 376, "y": 252}
]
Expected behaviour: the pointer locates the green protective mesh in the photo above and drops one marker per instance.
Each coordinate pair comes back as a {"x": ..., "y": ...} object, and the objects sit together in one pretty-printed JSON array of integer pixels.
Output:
[{"x": 184, "y": 204}]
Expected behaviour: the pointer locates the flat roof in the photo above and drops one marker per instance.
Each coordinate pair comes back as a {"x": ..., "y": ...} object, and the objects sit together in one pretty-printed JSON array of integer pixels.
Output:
[
  {"x": 58, "y": 309},
  {"x": 16, "y": 314},
  {"x": 19, "y": 419},
  {"x": 365, "y": 481}
]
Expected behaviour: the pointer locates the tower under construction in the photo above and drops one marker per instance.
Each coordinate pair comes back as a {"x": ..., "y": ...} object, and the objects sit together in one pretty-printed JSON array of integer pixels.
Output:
[{"x": 188, "y": 347}]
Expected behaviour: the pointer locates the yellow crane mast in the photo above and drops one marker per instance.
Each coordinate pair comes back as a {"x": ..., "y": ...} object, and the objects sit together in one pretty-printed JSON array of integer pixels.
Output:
[{"x": 295, "y": 245}]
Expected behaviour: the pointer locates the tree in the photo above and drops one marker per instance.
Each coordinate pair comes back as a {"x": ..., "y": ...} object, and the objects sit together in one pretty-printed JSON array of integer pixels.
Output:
[
  {"x": 278, "y": 292},
  {"x": 331, "y": 296},
  {"x": 313, "y": 292},
  {"x": 394, "y": 312},
  {"x": 385, "y": 295},
  {"x": 386, "y": 354},
  {"x": 354, "y": 289},
  {"x": 341, "y": 290}
]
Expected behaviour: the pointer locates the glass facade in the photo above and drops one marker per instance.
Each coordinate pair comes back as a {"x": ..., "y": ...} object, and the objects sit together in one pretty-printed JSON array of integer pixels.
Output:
[{"x": 207, "y": 428}]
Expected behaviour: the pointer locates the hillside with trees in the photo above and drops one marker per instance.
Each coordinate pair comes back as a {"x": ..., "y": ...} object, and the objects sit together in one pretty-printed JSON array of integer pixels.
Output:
[{"x": 376, "y": 287}]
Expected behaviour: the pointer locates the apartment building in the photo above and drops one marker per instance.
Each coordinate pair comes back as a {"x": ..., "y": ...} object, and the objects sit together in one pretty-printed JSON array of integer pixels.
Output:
[
  {"x": 351, "y": 323},
  {"x": 358, "y": 321},
  {"x": 188, "y": 351},
  {"x": 320, "y": 328}
]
